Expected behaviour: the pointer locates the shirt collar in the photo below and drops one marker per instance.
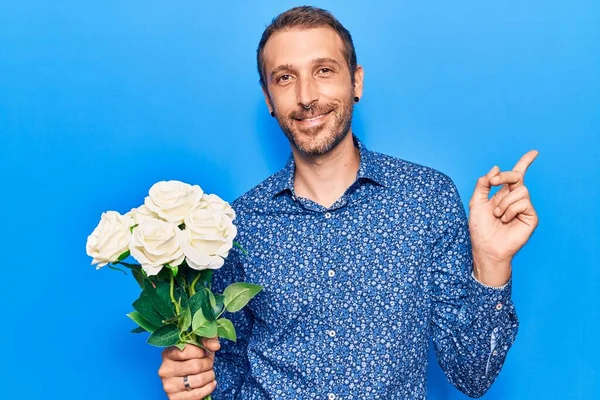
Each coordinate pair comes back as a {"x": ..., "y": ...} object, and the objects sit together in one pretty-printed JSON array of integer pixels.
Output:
[{"x": 369, "y": 169}]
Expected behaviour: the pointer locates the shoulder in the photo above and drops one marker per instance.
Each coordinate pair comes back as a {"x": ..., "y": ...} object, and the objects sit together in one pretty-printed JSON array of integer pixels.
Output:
[
  {"x": 259, "y": 197},
  {"x": 402, "y": 174},
  {"x": 426, "y": 190}
]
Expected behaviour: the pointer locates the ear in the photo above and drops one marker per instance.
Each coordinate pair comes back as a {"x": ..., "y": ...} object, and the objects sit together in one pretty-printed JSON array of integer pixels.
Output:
[
  {"x": 267, "y": 99},
  {"x": 359, "y": 75}
]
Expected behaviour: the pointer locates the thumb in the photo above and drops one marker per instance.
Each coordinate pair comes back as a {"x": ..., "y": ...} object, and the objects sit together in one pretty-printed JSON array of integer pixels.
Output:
[
  {"x": 481, "y": 193},
  {"x": 212, "y": 344}
]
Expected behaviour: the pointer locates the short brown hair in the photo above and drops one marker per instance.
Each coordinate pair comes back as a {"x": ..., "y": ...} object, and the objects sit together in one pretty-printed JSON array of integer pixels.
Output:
[{"x": 305, "y": 17}]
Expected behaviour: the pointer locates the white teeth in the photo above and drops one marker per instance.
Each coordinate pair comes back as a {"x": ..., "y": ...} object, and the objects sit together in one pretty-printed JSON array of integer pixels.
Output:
[{"x": 313, "y": 118}]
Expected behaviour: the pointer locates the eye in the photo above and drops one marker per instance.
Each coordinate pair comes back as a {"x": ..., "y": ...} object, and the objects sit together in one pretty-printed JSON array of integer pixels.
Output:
[
  {"x": 284, "y": 78},
  {"x": 325, "y": 70}
]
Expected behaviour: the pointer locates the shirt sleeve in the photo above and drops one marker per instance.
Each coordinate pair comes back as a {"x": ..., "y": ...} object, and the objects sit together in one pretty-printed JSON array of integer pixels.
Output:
[
  {"x": 231, "y": 361},
  {"x": 473, "y": 325}
]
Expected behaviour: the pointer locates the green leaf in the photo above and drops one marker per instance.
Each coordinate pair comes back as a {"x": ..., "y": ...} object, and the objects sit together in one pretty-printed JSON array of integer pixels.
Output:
[
  {"x": 164, "y": 275},
  {"x": 139, "y": 277},
  {"x": 139, "y": 329},
  {"x": 123, "y": 256},
  {"x": 203, "y": 327},
  {"x": 195, "y": 302},
  {"x": 181, "y": 346},
  {"x": 141, "y": 321},
  {"x": 238, "y": 294},
  {"x": 204, "y": 280},
  {"x": 182, "y": 299},
  {"x": 211, "y": 298},
  {"x": 144, "y": 306},
  {"x": 160, "y": 297},
  {"x": 201, "y": 301},
  {"x": 219, "y": 304},
  {"x": 135, "y": 267},
  {"x": 180, "y": 279},
  {"x": 186, "y": 320},
  {"x": 208, "y": 330},
  {"x": 207, "y": 308},
  {"x": 239, "y": 246},
  {"x": 132, "y": 227},
  {"x": 225, "y": 329},
  {"x": 164, "y": 336},
  {"x": 181, "y": 296},
  {"x": 198, "y": 319}
]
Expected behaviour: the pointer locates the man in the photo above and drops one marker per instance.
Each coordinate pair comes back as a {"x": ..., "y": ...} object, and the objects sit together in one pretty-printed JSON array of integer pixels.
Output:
[{"x": 363, "y": 257}]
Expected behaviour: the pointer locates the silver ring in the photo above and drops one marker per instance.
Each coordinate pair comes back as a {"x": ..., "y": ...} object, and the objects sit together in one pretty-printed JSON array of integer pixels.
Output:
[{"x": 186, "y": 383}]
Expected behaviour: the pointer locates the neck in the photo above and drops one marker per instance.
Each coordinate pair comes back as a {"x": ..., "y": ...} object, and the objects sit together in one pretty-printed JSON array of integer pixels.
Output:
[{"x": 324, "y": 178}]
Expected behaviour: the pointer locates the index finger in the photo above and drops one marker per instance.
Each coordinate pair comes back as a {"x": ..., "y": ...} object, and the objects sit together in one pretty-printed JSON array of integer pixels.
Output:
[
  {"x": 525, "y": 161},
  {"x": 190, "y": 351}
]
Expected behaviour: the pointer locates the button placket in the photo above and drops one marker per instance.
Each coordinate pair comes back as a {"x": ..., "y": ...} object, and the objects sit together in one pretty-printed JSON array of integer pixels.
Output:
[{"x": 330, "y": 227}]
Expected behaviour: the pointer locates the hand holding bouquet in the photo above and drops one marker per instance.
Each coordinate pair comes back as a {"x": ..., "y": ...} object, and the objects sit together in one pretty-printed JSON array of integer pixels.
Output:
[{"x": 178, "y": 237}]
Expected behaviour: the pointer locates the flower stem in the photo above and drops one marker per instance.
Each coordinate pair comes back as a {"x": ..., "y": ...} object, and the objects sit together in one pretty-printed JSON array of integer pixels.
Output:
[
  {"x": 193, "y": 284},
  {"x": 172, "y": 295}
]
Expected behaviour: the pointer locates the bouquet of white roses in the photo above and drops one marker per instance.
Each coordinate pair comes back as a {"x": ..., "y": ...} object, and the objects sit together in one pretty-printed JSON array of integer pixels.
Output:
[{"x": 179, "y": 236}]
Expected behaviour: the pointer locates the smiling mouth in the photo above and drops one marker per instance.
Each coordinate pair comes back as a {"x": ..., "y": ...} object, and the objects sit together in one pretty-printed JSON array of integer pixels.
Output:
[{"x": 312, "y": 119}]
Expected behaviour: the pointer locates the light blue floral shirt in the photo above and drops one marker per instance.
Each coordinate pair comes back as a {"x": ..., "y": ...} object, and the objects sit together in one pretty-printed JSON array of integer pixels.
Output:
[{"x": 353, "y": 293}]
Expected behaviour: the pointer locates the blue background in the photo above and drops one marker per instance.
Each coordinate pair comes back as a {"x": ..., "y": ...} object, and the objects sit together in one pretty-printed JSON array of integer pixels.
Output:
[{"x": 100, "y": 99}]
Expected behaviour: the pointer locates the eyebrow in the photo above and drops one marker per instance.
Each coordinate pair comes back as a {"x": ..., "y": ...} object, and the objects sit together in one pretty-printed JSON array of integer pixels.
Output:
[
  {"x": 324, "y": 60},
  {"x": 321, "y": 60},
  {"x": 282, "y": 67}
]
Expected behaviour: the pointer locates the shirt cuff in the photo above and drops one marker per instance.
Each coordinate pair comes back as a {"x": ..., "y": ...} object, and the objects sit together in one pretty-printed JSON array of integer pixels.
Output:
[
  {"x": 489, "y": 287},
  {"x": 496, "y": 300}
]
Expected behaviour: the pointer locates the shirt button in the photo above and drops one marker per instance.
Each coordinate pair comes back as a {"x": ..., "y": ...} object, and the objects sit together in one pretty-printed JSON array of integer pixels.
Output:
[
  {"x": 498, "y": 306},
  {"x": 331, "y": 272},
  {"x": 495, "y": 352},
  {"x": 327, "y": 215},
  {"x": 331, "y": 333},
  {"x": 331, "y": 396}
]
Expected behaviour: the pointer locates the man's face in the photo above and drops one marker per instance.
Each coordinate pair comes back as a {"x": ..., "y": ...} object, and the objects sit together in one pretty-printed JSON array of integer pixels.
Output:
[{"x": 307, "y": 67}]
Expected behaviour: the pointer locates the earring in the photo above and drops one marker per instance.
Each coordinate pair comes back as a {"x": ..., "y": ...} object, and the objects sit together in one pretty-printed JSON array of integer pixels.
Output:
[
  {"x": 356, "y": 99},
  {"x": 272, "y": 113}
]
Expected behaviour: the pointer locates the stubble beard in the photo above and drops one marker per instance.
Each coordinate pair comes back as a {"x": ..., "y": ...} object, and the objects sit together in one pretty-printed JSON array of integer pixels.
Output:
[{"x": 313, "y": 141}]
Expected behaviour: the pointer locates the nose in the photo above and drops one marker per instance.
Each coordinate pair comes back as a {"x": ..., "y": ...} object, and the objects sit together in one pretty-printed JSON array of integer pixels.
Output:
[{"x": 306, "y": 92}]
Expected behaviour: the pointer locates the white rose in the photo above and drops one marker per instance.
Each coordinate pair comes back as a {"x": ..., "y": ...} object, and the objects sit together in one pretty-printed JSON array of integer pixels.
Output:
[
  {"x": 173, "y": 200},
  {"x": 214, "y": 202},
  {"x": 154, "y": 243},
  {"x": 207, "y": 238},
  {"x": 110, "y": 239},
  {"x": 141, "y": 214}
]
